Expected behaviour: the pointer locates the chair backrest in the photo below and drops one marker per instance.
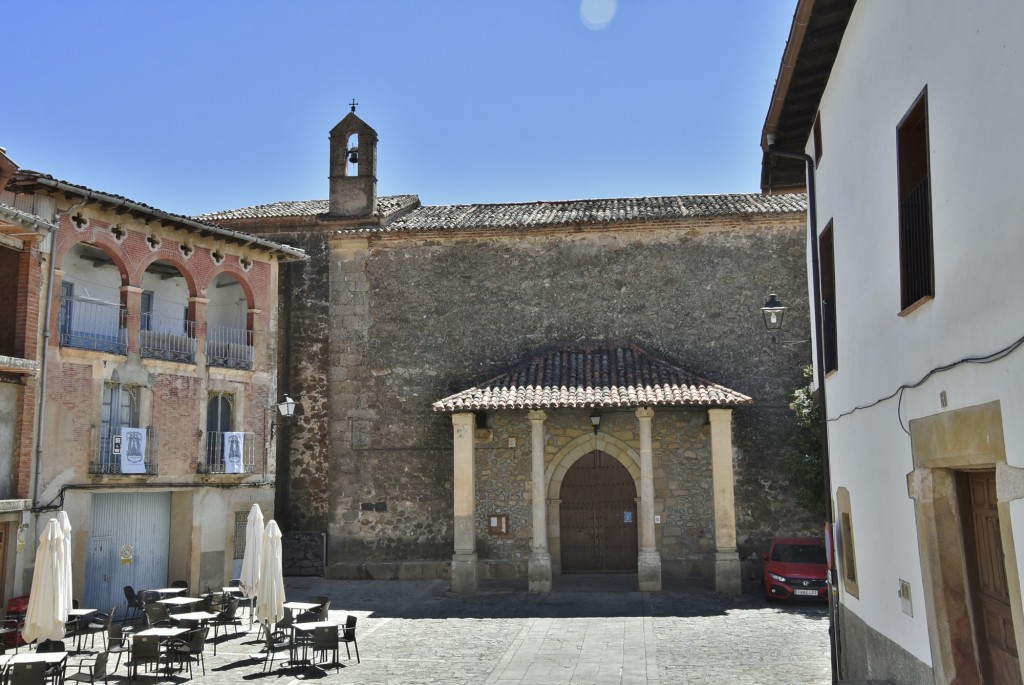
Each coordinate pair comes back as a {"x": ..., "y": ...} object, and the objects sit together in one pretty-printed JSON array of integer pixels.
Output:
[
  {"x": 145, "y": 647},
  {"x": 115, "y": 634},
  {"x": 149, "y": 596},
  {"x": 99, "y": 668},
  {"x": 286, "y": 620},
  {"x": 110, "y": 618},
  {"x": 131, "y": 597},
  {"x": 350, "y": 627},
  {"x": 325, "y": 637},
  {"x": 307, "y": 617},
  {"x": 232, "y": 608},
  {"x": 51, "y": 646},
  {"x": 235, "y": 582},
  {"x": 155, "y": 613},
  {"x": 27, "y": 673},
  {"x": 320, "y": 599},
  {"x": 198, "y": 641},
  {"x": 181, "y": 583},
  {"x": 323, "y": 611}
]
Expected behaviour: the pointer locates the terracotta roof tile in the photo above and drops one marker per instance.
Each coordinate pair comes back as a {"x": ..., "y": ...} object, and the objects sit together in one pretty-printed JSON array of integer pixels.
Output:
[
  {"x": 386, "y": 206},
  {"x": 532, "y": 214},
  {"x": 593, "y": 375}
]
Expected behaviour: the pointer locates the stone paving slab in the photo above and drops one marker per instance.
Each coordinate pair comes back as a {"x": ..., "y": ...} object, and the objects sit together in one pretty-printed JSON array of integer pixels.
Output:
[{"x": 412, "y": 632}]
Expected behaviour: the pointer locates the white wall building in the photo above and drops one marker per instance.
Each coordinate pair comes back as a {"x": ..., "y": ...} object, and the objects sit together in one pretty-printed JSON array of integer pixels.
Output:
[{"x": 909, "y": 113}]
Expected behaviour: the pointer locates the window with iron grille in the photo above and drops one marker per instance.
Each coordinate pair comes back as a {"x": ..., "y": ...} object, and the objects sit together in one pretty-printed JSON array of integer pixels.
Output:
[
  {"x": 219, "y": 420},
  {"x": 241, "y": 520},
  {"x": 917, "y": 271},
  {"x": 120, "y": 410}
]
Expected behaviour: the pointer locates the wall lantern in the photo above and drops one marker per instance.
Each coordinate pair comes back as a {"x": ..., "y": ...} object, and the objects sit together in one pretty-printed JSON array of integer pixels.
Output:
[
  {"x": 773, "y": 311},
  {"x": 595, "y": 420},
  {"x": 286, "y": 408}
]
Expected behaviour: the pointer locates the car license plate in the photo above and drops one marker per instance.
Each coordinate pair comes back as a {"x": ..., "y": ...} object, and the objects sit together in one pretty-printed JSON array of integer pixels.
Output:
[{"x": 805, "y": 593}]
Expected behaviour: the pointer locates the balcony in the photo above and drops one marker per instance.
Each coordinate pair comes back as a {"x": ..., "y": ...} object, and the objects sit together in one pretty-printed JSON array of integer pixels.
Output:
[
  {"x": 167, "y": 338},
  {"x": 229, "y": 452},
  {"x": 90, "y": 324},
  {"x": 128, "y": 451},
  {"x": 229, "y": 347}
]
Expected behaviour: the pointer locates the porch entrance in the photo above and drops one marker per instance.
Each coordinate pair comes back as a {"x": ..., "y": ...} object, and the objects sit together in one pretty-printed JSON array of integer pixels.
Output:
[
  {"x": 598, "y": 516},
  {"x": 986, "y": 572}
]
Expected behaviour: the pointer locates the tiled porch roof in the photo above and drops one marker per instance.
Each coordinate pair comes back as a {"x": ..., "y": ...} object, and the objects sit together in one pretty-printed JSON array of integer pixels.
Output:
[{"x": 594, "y": 375}]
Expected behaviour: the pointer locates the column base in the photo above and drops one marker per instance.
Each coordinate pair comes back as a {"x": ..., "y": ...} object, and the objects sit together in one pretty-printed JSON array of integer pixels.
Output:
[
  {"x": 648, "y": 571},
  {"x": 465, "y": 577},
  {"x": 539, "y": 572},
  {"x": 728, "y": 575}
]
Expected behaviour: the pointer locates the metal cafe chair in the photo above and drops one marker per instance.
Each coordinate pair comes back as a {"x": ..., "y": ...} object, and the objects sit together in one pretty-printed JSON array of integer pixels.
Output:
[
  {"x": 325, "y": 639},
  {"x": 91, "y": 669},
  {"x": 349, "y": 636},
  {"x": 191, "y": 649},
  {"x": 275, "y": 641},
  {"x": 145, "y": 650}
]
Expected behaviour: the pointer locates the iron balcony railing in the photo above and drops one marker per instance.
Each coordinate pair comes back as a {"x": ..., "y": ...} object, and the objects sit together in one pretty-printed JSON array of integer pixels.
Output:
[
  {"x": 229, "y": 347},
  {"x": 92, "y": 325},
  {"x": 916, "y": 264},
  {"x": 127, "y": 450},
  {"x": 163, "y": 337},
  {"x": 229, "y": 452}
]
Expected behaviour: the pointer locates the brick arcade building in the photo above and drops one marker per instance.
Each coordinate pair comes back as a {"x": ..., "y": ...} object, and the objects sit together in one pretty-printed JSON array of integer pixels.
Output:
[{"x": 415, "y": 465}]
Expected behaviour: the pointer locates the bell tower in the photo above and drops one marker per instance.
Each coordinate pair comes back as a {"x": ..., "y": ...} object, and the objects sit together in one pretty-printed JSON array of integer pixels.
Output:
[{"x": 353, "y": 167}]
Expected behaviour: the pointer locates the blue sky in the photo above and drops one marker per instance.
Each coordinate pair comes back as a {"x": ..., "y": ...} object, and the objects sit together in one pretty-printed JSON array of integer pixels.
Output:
[{"x": 201, "y": 106}]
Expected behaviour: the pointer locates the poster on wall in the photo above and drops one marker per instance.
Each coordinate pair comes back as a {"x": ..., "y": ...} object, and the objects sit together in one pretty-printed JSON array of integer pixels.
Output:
[
  {"x": 133, "y": 450},
  {"x": 233, "y": 448}
]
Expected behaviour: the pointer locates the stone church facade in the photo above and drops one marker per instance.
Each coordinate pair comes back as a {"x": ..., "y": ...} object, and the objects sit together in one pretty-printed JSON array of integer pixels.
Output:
[{"x": 522, "y": 390}]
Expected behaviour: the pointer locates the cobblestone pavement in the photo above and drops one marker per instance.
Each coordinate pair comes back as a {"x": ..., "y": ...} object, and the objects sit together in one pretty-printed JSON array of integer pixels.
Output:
[{"x": 589, "y": 630}]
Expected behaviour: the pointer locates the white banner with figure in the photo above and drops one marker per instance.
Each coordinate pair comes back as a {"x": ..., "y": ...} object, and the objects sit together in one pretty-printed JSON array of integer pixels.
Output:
[
  {"x": 234, "y": 444},
  {"x": 133, "y": 450}
]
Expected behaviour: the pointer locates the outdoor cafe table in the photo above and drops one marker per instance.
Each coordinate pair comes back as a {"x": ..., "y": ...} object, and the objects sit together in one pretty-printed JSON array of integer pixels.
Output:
[
  {"x": 301, "y": 606},
  {"x": 200, "y": 616},
  {"x": 78, "y": 615},
  {"x": 179, "y": 601},
  {"x": 310, "y": 627},
  {"x": 169, "y": 591},
  {"x": 48, "y": 658}
]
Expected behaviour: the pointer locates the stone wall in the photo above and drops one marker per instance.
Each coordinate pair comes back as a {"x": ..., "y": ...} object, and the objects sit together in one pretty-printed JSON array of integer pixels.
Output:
[{"x": 407, "y": 319}]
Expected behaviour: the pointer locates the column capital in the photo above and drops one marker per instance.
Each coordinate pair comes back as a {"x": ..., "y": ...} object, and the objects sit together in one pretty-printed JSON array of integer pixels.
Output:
[
  {"x": 715, "y": 415},
  {"x": 644, "y": 413},
  {"x": 464, "y": 418},
  {"x": 536, "y": 415},
  {"x": 199, "y": 300},
  {"x": 131, "y": 289}
]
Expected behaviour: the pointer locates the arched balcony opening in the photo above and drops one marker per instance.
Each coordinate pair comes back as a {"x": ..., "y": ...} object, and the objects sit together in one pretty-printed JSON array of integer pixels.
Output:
[
  {"x": 92, "y": 315},
  {"x": 229, "y": 336},
  {"x": 166, "y": 330}
]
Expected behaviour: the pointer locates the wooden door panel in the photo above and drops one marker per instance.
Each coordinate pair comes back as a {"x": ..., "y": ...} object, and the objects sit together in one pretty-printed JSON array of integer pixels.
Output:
[
  {"x": 598, "y": 516},
  {"x": 987, "y": 575}
]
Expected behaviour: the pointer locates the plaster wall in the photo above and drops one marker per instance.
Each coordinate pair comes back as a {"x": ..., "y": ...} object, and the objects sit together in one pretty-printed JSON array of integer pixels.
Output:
[{"x": 968, "y": 57}]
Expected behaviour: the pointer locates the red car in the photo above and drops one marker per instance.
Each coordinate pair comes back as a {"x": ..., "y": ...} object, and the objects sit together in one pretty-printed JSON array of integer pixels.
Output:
[{"x": 795, "y": 568}]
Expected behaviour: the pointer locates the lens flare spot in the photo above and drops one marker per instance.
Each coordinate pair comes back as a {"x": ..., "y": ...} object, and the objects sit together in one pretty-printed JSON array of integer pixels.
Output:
[{"x": 597, "y": 14}]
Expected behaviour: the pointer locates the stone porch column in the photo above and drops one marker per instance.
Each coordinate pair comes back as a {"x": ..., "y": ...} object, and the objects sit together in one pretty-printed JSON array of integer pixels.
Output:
[
  {"x": 649, "y": 560},
  {"x": 540, "y": 559},
  {"x": 728, "y": 576},
  {"x": 464, "y": 567}
]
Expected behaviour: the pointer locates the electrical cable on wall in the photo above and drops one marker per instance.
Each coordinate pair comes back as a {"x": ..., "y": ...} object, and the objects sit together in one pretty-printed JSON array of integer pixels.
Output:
[{"x": 986, "y": 359}]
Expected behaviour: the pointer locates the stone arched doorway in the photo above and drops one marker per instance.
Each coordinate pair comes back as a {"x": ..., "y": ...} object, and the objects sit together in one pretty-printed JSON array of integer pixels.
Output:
[{"x": 598, "y": 516}]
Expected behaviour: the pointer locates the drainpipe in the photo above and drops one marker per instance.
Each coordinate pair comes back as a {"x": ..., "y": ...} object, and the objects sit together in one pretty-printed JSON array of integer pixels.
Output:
[{"x": 819, "y": 358}]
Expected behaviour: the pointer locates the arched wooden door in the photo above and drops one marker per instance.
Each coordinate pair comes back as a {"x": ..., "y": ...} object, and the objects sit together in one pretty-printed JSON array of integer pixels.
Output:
[{"x": 598, "y": 516}]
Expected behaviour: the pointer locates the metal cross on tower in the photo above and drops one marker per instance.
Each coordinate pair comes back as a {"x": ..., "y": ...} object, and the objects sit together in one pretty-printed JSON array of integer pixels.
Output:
[{"x": 353, "y": 104}]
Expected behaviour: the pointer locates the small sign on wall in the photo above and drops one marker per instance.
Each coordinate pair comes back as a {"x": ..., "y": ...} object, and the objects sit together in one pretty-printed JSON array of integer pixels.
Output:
[
  {"x": 497, "y": 524},
  {"x": 127, "y": 555},
  {"x": 627, "y": 517}
]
